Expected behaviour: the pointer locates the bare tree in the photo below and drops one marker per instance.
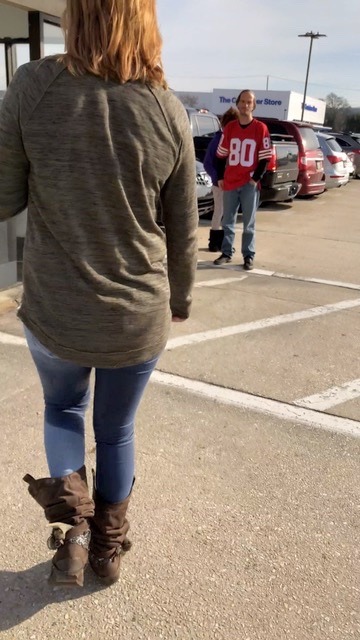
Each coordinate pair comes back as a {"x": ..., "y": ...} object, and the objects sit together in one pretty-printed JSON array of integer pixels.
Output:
[
  {"x": 189, "y": 100},
  {"x": 337, "y": 111},
  {"x": 353, "y": 122}
]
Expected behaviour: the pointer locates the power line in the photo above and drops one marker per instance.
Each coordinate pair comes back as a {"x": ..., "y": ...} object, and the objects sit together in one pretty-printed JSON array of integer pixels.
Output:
[
  {"x": 217, "y": 77},
  {"x": 315, "y": 84}
]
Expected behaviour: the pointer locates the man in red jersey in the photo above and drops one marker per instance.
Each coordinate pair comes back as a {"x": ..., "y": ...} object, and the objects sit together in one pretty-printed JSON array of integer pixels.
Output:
[{"x": 243, "y": 153}]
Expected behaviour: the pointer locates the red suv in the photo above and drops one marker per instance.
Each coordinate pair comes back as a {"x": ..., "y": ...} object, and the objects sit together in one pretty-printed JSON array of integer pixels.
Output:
[{"x": 311, "y": 159}]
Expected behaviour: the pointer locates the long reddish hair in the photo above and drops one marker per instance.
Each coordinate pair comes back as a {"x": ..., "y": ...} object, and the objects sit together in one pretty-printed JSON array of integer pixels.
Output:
[
  {"x": 114, "y": 39},
  {"x": 229, "y": 115}
]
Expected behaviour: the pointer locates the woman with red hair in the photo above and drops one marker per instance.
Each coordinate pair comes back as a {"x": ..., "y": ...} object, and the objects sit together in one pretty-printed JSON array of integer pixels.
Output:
[{"x": 94, "y": 144}]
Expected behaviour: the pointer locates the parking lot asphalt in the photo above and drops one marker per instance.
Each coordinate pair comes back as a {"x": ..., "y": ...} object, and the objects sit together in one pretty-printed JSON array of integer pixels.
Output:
[{"x": 245, "y": 517}]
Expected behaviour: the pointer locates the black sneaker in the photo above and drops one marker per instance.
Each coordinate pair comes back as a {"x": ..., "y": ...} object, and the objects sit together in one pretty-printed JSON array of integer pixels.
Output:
[
  {"x": 222, "y": 259},
  {"x": 248, "y": 263}
]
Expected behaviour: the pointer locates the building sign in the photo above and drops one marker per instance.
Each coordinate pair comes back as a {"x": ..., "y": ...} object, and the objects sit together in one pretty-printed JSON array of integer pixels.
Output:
[
  {"x": 268, "y": 103},
  {"x": 309, "y": 107}
]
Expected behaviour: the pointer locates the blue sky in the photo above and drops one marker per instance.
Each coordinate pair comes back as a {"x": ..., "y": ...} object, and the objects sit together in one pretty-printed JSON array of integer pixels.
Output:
[{"x": 237, "y": 43}]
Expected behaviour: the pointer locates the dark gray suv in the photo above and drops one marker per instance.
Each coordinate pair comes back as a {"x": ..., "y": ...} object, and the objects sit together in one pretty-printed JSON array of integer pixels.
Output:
[{"x": 203, "y": 125}]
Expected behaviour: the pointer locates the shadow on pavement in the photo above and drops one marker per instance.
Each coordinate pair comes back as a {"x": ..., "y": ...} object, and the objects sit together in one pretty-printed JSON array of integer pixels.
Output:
[
  {"x": 24, "y": 593},
  {"x": 275, "y": 206}
]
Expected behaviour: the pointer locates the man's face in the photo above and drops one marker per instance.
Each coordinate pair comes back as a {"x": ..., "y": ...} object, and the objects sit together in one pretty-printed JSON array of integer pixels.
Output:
[{"x": 246, "y": 104}]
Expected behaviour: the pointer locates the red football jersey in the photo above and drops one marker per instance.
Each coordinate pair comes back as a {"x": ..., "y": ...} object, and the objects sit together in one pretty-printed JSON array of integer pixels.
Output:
[{"x": 244, "y": 148}]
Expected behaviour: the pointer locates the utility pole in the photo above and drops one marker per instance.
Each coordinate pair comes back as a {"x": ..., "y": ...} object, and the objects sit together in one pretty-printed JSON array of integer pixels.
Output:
[{"x": 312, "y": 36}]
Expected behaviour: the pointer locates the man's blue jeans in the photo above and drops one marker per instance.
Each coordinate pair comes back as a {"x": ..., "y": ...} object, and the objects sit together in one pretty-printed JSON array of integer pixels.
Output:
[
  {"x": 248, "y": 196},
  {"x": 117, "y": 395}
]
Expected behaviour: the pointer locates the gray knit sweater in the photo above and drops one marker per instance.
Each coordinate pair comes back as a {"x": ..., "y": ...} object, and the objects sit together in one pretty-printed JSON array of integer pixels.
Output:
[{"x": 94, "y": 161}]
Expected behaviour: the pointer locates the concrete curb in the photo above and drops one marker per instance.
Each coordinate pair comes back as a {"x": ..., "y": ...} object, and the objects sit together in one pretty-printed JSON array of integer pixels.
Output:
[{"x": 10, "y": 298}]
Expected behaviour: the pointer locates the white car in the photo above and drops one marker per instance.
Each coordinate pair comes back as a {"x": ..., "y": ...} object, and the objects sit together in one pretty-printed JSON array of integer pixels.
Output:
[
  {"x": 335, "y": 161},
  {"x": 205, "y": 196},
  {"x": 350, "y": 166}
]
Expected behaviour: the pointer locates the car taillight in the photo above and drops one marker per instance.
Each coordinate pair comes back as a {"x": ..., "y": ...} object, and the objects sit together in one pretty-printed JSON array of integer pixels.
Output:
[
  {"x": 356, "y": 150},
  {"x": 302, "y": 161},
  {"x": 334, "y": 159},
  {"x": 272, "y": 165}
]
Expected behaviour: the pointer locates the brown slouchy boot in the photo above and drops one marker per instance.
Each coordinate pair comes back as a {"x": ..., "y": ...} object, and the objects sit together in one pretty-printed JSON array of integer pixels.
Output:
[
  {"x": 108, "y": 538},
  {"x": 67, "y": 505}
]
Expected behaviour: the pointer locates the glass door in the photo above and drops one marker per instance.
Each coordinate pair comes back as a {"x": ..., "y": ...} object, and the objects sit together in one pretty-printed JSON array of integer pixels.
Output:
[
  {"x": 41, "y": 35},
  {"x": 13, "y": 52}
]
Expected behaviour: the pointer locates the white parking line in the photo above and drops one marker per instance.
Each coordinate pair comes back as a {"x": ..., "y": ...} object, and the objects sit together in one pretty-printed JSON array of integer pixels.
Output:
[
  {"x": 256, "y": 325},
  {"x": 331, "y": 397},
  {"x": 8, "y": 338},
  {"x": 274, "y": 408},
  {"x": 282, "y": 410},
  {"x": 214, "y": 283},
  {"x": 246, "y": 327},
  {"x": 331, "y": 283},
  {"x": 286, "y": 276}
]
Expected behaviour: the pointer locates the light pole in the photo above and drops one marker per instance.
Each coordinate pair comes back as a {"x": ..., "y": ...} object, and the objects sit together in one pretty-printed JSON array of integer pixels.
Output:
[{"x": 312, "y": 36}]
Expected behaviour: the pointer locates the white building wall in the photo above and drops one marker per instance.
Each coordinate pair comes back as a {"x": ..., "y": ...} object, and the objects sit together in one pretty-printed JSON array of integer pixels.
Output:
[
  {"x": 314, "y": 108},
  {"x": 285, "y": 105},
  {"x": 271, "y": 104}
]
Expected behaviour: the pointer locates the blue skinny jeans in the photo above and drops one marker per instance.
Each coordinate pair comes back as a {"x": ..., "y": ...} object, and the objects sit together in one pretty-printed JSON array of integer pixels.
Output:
[{"x": 117, "y": 395}]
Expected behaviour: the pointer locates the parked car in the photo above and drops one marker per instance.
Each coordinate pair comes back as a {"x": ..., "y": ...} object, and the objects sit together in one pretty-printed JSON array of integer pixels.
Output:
[
  {"x": 355, "y": 136},
  {"x": 310, "y": 160},
  {"x": 350, "y": 167},
  {"x": 204, "y": 125},
  {"x": 279, "y": 183},
  {"x": 350, "y": 143},
  {"x": 335, "y": 161},
  {"x": 205, "y": 196}
]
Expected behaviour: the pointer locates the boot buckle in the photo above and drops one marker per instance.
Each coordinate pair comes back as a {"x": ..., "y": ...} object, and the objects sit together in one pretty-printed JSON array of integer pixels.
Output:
[
  {"x": 83, "y": 539},
  {"x": 57, "y": 537}
]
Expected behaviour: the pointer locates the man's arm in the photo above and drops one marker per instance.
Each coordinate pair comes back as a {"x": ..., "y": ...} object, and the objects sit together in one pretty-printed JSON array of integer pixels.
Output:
[
  {"x": 14, "y": 165},
  {"x": 264, "y": 154},
  {"x": 260, "y": 170}
]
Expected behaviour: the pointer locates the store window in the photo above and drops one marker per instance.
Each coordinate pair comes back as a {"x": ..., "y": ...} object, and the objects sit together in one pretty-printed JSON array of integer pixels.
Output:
[{"x": 53, "y": 39}]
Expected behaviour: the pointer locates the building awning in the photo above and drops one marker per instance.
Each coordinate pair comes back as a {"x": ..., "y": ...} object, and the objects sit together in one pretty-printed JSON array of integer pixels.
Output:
[{"x": 51, "y": 7}]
